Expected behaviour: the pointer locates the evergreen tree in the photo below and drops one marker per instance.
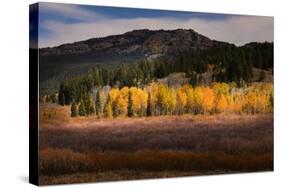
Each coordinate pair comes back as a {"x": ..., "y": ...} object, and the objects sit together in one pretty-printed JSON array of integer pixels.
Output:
[
  {"x": 53, "y": 98},
  {"x": 262, "y": 76},
  {"x": 148, "y": 109},
  {"x": 98, "y": 103},
  {"x": 61, "y": 95},
  {"x": 92, "y": 109},
  {"x": 74, "y": 110},
  {"x": 82, "y": 110},
  {"x": 88, "y": 104},
  {"x": 130, "y": 105},
  {"x": 108, "y": 108},
  {"x": 193, "y": 80}
]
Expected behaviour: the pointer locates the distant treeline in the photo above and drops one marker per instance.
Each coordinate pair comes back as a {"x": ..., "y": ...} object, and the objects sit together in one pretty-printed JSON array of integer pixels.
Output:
[
  {"x": 159, "y": 99},
  {"x": 228, "y": 64}
]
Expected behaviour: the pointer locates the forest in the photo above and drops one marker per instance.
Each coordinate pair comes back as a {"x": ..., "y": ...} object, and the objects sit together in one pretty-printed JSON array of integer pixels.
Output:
[{"x": 134, "y": 89}]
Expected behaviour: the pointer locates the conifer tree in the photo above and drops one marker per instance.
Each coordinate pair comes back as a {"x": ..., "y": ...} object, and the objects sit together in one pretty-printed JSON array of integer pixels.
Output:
[
  {"x": 148, "y": 110},
  {"x": 88, "y": 104},
  {"x": 82, "y": 110},
  {"x": 61, "y": 95},
  {"x": 92, "y": 109},
  {"x": 262, "y": 76},
  {"x": 130, "y": 105},
  {"x": 108, "y": 108},
  {"x": 74, "y": 110},
  {"x": 98, "y": 103}
]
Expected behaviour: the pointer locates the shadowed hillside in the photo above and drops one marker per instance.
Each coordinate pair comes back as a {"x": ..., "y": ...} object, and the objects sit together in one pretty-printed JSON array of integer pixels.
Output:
[{"x": 163, "y": 51}]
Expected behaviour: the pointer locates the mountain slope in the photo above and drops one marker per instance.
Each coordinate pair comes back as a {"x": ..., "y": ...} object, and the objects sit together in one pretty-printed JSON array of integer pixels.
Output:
[
  {"x": 137, "y": 43},
  {"x": 70, "y": 60}
]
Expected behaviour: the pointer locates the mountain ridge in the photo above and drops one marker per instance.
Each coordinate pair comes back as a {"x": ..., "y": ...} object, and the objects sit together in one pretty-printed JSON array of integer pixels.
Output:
[{"x": 142, "y": 43}]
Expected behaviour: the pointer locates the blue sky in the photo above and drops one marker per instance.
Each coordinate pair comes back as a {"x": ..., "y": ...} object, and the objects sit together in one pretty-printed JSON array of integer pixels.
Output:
[{"x": 66, "y": 23}]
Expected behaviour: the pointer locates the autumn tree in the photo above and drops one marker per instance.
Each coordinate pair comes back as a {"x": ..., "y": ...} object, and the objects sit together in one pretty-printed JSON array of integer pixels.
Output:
[
  {"x": 113, "y": 95},
  {"x": 220, "y": 103},
  {"x": 203, "y": 98},
  {"x": 163, "y": 99},
  {"x": 122, "y": 102},
  {"x": 154, "y": 103},
  {"x": 190, "y": 100},
  {"x": 181, "y": 100},
  {"x": 138, "y": 101}
]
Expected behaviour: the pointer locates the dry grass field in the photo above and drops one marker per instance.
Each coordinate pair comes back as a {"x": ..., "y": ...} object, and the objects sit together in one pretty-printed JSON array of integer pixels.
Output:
[{"x": 74, "y": 150}]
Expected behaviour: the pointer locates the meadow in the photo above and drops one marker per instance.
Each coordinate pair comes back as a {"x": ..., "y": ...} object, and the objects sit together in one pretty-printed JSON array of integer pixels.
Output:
[{"x": 94, "y": 149}]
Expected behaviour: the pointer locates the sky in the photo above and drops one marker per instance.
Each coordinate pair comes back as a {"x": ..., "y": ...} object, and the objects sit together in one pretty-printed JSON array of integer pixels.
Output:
[{"x": 67, "y": 23}]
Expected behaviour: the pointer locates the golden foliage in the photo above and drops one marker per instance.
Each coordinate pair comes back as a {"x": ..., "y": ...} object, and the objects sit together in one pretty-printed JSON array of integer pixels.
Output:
[
  {"x": 164, "y": 100},
  {"x": 139, "y": 100}
]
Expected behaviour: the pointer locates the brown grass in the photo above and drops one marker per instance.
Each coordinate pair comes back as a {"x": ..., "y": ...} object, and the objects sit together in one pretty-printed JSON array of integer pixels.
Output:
[
  {"x": 53, "y": 115},
  {"x": 232, "y": 134},
  {"x": 89, "y": 149},
  {"x": 61, "y": 161}
]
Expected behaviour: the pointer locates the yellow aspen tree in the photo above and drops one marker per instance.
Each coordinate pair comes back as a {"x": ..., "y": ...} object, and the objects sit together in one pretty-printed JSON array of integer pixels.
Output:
[
  {"x": 113, "y": 95},
  {"x": 163, "y": 99},
  {"x": 139, "y": 101},
  {"x": 208, "y": 99},
  {"x": 154, "y": 104},
  {"x": 190, "y": 99},
  {"x": 181, "y": 100},
  {"x": 198, "y": 100},
  {"x": 122, "y": 102},
  {"x": 172, "y": 100},
  {"x": 143, "y": 101},
  {"x": 221, "y": 103},
  {"x": 220, "y": 88}
]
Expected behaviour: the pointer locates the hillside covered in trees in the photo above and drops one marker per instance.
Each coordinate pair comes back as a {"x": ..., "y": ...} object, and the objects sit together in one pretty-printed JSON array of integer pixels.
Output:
[
  {"x": 202, "y": 76},
  {"x": 142, "y": 56}
]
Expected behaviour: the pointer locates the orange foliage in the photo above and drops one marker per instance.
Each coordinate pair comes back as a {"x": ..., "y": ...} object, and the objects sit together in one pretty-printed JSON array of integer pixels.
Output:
[{"x": 219, "y": 97}]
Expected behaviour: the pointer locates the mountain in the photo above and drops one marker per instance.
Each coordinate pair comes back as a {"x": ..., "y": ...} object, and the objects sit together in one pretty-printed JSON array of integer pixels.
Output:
[
  {"x": 137, "y": 43},
  {"x": 70, "y": 60}
]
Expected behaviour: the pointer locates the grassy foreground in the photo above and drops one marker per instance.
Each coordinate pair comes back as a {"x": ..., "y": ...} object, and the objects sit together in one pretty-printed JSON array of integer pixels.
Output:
[{"x": 75, "y": 150}]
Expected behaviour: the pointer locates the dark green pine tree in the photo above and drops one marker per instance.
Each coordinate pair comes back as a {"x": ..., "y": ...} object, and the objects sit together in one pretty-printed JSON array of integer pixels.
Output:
[
  {"x": 61, "y": 95},
  {"x": 82, "y": 110},
  {"x": 130, "y": 105},
  {"x": 92, "y": 109},
  {"x": 88, "y": 104},
  {"x": 148, "y": 110},
  {"x": 97, "y": 77},
  {"x": 98, "y": 103},
  {"x": 74, "y": 110},
  {"x": 262, "y": 76}
]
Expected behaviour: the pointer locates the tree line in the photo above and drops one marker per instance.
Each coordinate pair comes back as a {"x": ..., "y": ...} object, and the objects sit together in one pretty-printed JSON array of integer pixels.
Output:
[
  {"x": 230, "y": 64},
  {"x": 159, "y": 99},
  {"x": 227, "y": 63}
]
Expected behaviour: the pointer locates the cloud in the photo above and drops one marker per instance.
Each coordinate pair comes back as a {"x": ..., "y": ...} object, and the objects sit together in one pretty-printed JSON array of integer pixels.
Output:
[
  {"x": 70, "y": 11},
  {"x": 234, "y": 29}
]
